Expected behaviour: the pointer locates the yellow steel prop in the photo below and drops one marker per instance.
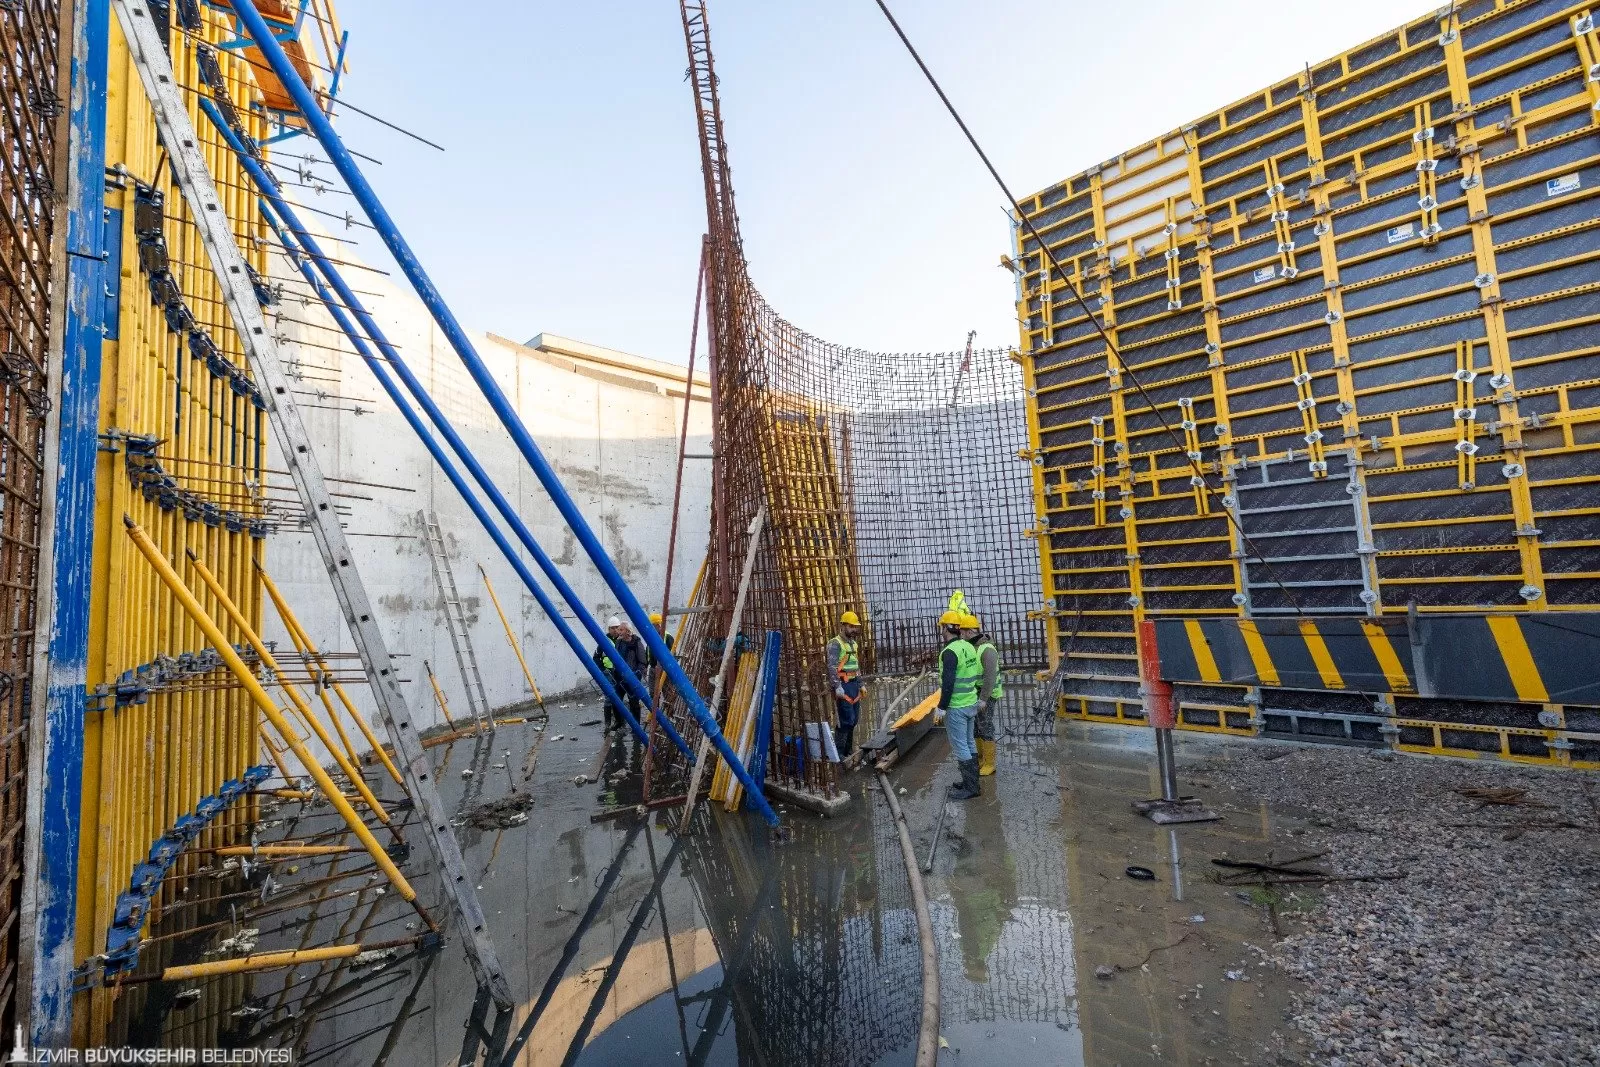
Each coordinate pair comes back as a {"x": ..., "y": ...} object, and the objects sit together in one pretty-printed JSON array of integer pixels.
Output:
[
  {"x": 299, "y": 702},
  {"x": 516, "y": 646},
  {"x": 264, "y": 702},
  {"x": 302, "y": 642}
]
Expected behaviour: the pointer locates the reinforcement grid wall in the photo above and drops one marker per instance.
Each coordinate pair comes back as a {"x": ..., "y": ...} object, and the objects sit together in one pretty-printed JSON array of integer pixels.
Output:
[
  {"x": 868, "y": 504},
  {"x": 31, "y": 102},
  {"x": 1365, "y": 299},
  {"x": 182, "y": 455}
]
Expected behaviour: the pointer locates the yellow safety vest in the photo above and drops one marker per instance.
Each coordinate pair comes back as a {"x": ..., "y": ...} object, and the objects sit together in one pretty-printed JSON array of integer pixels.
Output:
[
  {"x": 969, "y": 674},
  {"x": 999, "y": 689},
  {"x": 849, "y": 657}
]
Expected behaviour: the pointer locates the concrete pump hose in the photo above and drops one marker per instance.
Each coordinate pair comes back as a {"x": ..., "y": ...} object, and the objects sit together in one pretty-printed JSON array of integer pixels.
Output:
[{"x": 928, "y": 1036}]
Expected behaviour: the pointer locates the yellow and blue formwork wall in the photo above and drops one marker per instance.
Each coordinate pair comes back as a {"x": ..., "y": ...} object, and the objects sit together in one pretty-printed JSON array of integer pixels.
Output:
[
  {"x": 159, "y": 423},
  {"x": 1365, "y": 300}
]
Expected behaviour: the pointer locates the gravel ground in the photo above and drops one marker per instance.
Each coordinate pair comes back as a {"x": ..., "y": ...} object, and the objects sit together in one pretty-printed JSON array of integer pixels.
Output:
[{"x": 1486, "y": 953}]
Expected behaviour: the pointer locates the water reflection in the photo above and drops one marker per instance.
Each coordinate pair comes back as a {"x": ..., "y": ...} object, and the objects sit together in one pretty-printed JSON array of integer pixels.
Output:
[{"x": 626, "y": 943}]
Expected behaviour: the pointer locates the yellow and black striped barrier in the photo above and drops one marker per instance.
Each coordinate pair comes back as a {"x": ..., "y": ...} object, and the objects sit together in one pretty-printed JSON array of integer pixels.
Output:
[{"x": 1533, "y": 657}]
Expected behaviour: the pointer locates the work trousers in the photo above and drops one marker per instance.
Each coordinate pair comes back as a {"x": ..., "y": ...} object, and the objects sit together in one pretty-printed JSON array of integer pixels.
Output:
[
  {"x": 984, "y": 725},
  {"x": 959, "y": 725},
  {"x": 849, "y": 712},
  {"x": 613, "y": 714}
]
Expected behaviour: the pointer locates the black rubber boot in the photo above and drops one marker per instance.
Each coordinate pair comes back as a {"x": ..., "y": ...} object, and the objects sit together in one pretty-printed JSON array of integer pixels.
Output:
[{"x": 967, "y": 788}]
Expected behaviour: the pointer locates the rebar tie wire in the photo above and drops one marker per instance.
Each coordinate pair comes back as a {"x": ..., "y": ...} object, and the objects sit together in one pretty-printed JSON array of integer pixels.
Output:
[{"x": 1111, "y": 348}]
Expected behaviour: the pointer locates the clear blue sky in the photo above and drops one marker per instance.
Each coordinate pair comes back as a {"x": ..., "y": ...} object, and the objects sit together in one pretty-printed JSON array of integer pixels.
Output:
[{"x": 569, "y": 197}]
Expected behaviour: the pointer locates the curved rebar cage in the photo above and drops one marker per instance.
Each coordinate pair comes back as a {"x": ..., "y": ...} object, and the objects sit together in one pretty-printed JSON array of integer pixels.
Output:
[{"x": 888, "y": 480}]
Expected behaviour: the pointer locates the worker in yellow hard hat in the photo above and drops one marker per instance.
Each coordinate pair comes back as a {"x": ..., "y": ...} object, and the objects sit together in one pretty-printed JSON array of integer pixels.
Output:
[
  {"x": 960, "y": 672},
  {"x": 843, "y": 659},
  {"x": 656, "y": 671},
  {"x": 990, "y": 690}
]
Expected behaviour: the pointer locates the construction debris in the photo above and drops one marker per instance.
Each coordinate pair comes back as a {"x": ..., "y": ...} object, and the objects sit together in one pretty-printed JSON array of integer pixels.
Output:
[
  {"x": 501, "y": 814},
  {"x": 1471, "y": 958}
]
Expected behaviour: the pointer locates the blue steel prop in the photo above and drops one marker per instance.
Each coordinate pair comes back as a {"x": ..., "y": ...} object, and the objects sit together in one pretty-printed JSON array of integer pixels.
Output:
[
  {"x": 340, "y": 156},
  {"x": 310, "y": 252},
  {"x": 55, "y": 873},
  {"x": 769, "y": 696}
]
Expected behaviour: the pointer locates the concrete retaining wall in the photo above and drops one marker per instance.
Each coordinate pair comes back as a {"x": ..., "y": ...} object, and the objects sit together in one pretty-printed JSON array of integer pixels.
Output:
[{"x": 607, "y": 422}]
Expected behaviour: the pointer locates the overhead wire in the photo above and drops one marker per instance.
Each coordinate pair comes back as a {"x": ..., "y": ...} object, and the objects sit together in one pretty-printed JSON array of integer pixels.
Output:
[{"x": 1111, "y": 348}]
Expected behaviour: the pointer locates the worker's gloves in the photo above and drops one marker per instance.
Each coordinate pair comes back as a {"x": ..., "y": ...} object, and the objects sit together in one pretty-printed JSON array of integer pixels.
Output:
[
  {"x": 838, "y": 691},
  {"x": 988, "y": 707}
]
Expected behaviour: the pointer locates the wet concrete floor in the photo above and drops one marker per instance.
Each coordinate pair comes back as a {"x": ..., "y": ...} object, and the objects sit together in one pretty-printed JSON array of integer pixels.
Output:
[{"x": 624, "y": 944}]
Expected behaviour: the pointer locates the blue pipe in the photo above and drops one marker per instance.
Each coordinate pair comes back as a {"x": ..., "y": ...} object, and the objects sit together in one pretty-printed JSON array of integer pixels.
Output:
[
  {"x": 456, "y": 480},
  {"x": 323, "y": 130},
  {"x": 313, "y": 251},
  {"x": 55, "y": 879}
]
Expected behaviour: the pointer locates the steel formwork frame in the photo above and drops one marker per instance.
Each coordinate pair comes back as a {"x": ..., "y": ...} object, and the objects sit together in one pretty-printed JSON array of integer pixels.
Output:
[
  {"x": 1367, "y": 296},
  {"x": 180, "y": 449}
]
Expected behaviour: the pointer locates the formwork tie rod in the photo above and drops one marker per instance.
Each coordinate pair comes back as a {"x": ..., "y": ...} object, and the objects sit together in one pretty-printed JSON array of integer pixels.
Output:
[
  {"x": 320, "y": 127},
  {"x": 271, "y": 664},
  {"x": 269, "y": 708},
  {"x": 303, "y": 644}
]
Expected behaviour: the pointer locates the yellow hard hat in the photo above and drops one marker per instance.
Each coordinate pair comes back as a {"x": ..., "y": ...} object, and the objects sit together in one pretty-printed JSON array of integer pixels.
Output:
[
  {"x": 655, "y": 617},
  {"x": 951, "y": 618},
  {"x": 850, "y": 618},
  {"x": 970, "y": 622}
]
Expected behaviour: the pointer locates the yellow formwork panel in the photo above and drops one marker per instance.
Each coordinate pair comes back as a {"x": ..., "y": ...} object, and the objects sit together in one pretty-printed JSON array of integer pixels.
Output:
[
  {"x": 148, "y": 762},
  {"x": 1364, "y": 301}
]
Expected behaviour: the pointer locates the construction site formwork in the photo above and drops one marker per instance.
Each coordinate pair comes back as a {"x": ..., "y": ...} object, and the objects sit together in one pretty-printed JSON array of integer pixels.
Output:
[
  {"x": 182, "y": 445},
  {"x": 885, "y": 482},
  {"x": 163, "y": 426},
  {"x": 1364, "y": 302}
]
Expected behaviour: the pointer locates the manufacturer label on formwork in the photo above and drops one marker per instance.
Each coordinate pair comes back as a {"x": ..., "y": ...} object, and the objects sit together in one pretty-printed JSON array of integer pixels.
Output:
[
  {"x": 1400, "y": 233},
  {"x": 1266, "y": 274},
  {"x": 1564, "y": 184}
]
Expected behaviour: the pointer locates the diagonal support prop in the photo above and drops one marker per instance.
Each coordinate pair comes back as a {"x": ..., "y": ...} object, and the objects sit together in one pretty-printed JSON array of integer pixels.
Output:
[{"x": 199, "y": 190}]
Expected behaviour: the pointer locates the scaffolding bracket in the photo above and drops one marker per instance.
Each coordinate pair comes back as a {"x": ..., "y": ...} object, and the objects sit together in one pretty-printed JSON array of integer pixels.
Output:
[{"x": 182, "y": 141}]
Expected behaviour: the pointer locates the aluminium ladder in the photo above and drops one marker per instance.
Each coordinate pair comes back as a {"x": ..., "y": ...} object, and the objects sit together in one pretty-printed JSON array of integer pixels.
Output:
[
  {"x": 455, "y": 619},
  {"x": 148, "y": 51}
]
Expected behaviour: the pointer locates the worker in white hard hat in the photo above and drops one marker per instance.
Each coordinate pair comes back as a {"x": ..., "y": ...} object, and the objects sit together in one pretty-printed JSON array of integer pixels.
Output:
[
  {"x": 634, "y": 654},
  {"x": 843, "y": 659}
]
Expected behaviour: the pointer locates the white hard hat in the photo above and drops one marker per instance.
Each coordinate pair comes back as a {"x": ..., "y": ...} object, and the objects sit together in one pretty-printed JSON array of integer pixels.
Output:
[{"x": 614, "y": 622}]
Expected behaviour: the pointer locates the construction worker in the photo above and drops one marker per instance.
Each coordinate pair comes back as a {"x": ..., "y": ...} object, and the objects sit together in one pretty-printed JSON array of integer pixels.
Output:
[
  {"x": 634, "y": 654},
  {"x": 657, "y": 680},
  {"x": 843, "y": 658},
  {"x": 990, "y": 690},
  {"x": 960, "y": 673}
]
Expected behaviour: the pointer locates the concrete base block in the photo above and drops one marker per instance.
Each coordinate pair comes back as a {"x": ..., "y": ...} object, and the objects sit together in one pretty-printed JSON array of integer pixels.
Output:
[
  {"x": 807, "y": 799},
  {"x": 1186, "y": 809}
]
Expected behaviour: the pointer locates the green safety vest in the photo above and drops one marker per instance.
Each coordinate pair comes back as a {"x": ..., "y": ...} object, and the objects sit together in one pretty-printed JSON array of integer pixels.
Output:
[
  {"x": 999, "y": 685},
  {"x": 849, "y": 657},
  {"x": 969, "y": 674}
]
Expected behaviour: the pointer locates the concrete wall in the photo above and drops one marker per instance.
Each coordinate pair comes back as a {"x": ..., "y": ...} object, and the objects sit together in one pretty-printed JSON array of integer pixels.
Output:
[{"x": 609, "y": 424}]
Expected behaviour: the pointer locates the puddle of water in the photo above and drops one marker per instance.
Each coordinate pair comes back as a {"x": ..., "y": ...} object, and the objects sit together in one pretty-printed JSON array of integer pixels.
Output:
[{"x": 626, "y": 945}]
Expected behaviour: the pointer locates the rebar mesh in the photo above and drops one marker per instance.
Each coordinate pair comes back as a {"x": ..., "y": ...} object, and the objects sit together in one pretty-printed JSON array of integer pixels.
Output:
[
  {"x": 32, "y": 102},
  {"x": 887, "y": 481}
]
